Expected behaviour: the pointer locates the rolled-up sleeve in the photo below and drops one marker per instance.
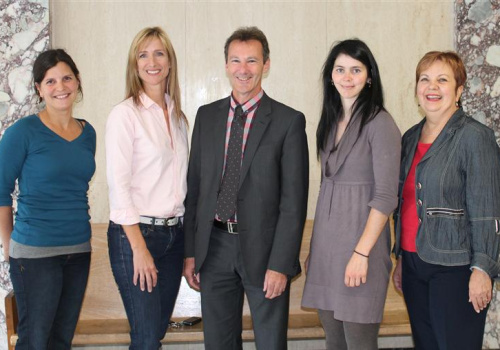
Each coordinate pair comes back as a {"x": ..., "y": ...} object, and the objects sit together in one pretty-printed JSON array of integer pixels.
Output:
[
  {"x": 385, "y": 142},
  {"x": 483, "y": 200},
  {"x": 119, "y": 155}
]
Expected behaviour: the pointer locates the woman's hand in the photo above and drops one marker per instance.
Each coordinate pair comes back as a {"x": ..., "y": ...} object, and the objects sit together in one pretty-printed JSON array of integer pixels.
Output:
[
  {"x": 144, "y": 269},
  {"x": 357, "y": 267},
  {"x": 356, "y": 270},
  {"x": 397, "y": 275},
  {"x": 479, "y": 289},
  {"x": 144, "y": 266}
]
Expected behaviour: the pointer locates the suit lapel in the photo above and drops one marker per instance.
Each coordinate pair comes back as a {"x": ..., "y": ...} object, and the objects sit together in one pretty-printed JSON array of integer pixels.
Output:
[
  {"x": 259, "y": 125},
  {"x": 219, "y": 136},
  {"x": 347, "y": 142}
]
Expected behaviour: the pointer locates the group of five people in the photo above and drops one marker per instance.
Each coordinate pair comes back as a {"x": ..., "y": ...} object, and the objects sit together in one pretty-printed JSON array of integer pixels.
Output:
[{"x": 229, "y": 213}]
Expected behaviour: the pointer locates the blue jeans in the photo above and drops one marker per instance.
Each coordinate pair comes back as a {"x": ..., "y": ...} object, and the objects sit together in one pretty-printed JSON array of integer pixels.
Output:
[
  {"x": 49, "y": 295},
  {"x": 148, "y": 313}
]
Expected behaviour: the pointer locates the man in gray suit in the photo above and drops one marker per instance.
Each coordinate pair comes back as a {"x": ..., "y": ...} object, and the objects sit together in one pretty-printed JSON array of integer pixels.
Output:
[{"x": 246, "y": 202}]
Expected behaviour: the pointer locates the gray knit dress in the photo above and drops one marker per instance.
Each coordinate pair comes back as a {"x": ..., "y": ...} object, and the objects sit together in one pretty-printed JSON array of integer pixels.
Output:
[{"x": 361, "y": 174}]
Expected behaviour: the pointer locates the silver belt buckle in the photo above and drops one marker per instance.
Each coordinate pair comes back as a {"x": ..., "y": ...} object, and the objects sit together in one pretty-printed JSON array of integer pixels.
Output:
[
  {"x": 230, "y": 228},
  {"x": 172, "y": 221}
]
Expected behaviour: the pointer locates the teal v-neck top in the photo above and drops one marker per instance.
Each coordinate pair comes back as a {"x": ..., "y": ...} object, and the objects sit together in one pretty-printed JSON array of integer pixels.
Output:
[{"x": 53, "y": 176}]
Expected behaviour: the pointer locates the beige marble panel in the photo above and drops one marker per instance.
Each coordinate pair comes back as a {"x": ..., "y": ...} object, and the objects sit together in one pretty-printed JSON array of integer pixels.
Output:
[
  {"x": 399, "y": 34},
  {"x": 296, "y": 33},
  {"x": 97, "y": 34}
]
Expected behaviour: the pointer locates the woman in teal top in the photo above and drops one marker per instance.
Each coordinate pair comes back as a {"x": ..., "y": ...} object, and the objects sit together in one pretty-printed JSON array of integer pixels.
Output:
[{"x": 51, "y": 155}]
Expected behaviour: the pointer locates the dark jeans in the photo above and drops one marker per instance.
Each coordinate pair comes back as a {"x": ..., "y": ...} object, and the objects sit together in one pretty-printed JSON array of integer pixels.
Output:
[
  {"x": 224, "y": 283},
  {"x": 49, "y": 295},
  {"x": 437, "y": 298},
  {"x": 148, "y": 313}
]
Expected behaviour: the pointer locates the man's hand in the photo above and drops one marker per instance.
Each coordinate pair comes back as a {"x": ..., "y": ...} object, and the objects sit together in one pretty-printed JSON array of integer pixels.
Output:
[
  {"x": 479, "y": 289},
  {"x": 274, "y": 284},
  {"x": 192, "y": 278}
]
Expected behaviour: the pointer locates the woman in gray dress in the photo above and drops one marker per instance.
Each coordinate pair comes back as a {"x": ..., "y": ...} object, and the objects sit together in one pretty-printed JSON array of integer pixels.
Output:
[{"x": 359, "y": 147}]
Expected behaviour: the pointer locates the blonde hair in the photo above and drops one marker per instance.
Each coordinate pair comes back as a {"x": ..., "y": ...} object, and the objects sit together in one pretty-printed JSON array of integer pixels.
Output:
[{"x": 134, "y": 85}]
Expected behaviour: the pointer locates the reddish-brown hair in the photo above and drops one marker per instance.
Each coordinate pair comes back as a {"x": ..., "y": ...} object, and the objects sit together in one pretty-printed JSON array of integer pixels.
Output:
[{"x": 452, "y": 59}]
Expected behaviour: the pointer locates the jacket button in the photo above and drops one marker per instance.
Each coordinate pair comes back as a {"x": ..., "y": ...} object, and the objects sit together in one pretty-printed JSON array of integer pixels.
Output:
[
  {"x": 419, "y": 185},
  {"x": 419, "y": 202}
]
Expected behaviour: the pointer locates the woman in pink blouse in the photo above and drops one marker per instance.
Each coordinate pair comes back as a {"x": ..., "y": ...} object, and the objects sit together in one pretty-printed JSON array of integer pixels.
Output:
[{"x": 147, "y": 154}]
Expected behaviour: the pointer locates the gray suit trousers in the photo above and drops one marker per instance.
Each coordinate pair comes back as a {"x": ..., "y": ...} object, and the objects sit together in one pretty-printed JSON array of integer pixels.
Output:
[{"x": 224, "y": 283}]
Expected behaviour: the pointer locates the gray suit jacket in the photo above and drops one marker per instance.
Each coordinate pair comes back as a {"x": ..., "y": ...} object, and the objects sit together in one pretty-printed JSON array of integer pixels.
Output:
[{"x": 272, "y": 197}]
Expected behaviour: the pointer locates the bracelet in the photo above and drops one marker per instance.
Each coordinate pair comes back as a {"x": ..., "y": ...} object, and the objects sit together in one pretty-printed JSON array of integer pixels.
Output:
[{"x": 363, "y": 255}]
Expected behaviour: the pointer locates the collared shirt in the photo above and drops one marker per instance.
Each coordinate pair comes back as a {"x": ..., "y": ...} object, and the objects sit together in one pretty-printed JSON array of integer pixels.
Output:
[
  {"x": 146, "y": 167},
  {"x": 249, "y": 108}
]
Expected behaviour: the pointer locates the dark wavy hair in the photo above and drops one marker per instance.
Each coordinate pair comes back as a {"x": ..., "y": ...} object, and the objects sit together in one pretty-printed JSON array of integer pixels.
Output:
[
  {"x": 369, "y": 102},
  {"x": 49, "y": 59}
]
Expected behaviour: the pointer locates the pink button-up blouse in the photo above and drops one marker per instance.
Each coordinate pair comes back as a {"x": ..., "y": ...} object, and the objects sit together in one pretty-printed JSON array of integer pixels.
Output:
[{"x": 146, "y": 167}]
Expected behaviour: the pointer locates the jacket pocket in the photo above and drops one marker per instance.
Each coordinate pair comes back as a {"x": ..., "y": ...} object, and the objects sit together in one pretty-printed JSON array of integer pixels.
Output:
[{"x": 445, "y": 212}]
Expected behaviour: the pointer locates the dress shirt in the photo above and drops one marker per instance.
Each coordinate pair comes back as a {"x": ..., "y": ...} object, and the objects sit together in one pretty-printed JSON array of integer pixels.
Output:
[
  {"x": 249, "y": 108},
  {"x": 146, "y": 167}
]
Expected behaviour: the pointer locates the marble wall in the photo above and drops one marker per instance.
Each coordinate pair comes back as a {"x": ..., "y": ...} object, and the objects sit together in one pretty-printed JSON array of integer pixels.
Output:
[
  {"x": 478, "y": 42},
  {"x": 24, "y": 33}
]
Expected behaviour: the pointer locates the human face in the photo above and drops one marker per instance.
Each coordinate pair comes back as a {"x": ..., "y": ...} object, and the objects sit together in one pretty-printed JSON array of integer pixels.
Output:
[
  {"x": 349, "y": 77},
  {"x": 437, "y": 91},
  {"x": 245, "y": 67},
  {"x": 153, "y": 65},
  {"x": 59, "y": 87}
]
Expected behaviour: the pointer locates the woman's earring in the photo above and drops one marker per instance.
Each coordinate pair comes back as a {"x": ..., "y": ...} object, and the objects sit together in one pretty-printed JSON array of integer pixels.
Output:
[
  {"x": 369, "y": 83},
  {"x": 333, "y": 84},
  {"x": 457, "y": 104}
]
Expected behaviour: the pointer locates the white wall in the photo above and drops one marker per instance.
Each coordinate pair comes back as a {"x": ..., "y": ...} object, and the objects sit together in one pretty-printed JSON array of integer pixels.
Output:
[{"x": 98, "y": 33}]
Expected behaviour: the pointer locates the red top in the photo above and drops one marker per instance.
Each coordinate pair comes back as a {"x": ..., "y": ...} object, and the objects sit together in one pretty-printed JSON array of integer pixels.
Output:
[{"x": 409, "y": 217}]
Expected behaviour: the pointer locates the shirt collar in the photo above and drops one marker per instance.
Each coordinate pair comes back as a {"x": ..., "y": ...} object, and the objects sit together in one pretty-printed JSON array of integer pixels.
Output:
[
  {"x": 250, "y": 104},
  {"x": 147, "y": 102}
]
